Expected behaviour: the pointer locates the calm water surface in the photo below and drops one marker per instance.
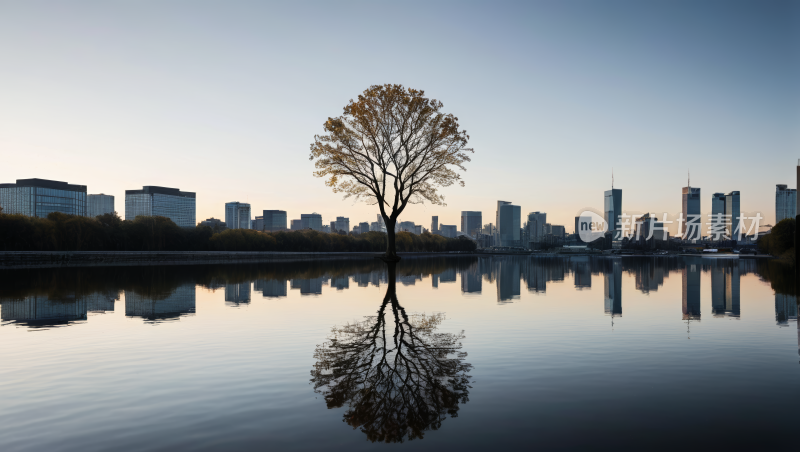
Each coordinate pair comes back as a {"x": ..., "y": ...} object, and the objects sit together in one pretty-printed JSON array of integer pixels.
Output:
[{"x": 468, "y": 353}]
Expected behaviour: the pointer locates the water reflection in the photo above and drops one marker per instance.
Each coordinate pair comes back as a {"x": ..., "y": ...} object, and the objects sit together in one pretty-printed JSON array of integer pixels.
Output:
[
  {"x": 399, "y": 385},
  {"x": 50, "y": 297},
  {"x": 161, "y": 306}
]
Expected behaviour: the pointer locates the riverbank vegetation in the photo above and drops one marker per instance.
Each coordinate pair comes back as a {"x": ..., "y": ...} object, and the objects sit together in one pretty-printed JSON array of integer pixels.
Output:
[{"x": 61, "y": 232}]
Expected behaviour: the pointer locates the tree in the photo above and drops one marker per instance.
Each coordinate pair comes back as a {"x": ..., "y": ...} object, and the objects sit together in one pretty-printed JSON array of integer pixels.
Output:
[
  {"x": 397, "y": 384},
  {"x": 391, "y": 147}
]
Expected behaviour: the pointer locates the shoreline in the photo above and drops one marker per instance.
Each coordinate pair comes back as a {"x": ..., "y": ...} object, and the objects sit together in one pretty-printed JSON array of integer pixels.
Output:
[{"x": 56, "y": 259}]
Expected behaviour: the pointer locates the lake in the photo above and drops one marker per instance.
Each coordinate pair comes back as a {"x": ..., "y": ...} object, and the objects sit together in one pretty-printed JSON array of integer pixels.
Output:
[{"x": 467, "y": 353}]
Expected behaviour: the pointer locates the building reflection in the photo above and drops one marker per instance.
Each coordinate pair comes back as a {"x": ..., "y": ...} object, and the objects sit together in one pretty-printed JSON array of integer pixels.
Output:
[
  {"x": 583, "y": 272},
  {"x": 271, "y": 288},
  {"x": 612, "y": 278},
  {"x": 508, "y": 280},
  {"x": 785, "y": 309},
  {"x": 309, "y": 286},
  {"x": 36, "y": 311},
  {"x": 471, "y": 279},
  {"x": 177, "y": 303},
  {"x": 725, "y": 280},
  {"x": 691, "y": 288},
  {"x": 236, "y": 294}
]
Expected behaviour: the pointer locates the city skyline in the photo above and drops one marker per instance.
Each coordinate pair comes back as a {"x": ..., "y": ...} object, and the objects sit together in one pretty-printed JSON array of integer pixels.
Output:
[{"x": 641, "y": 99}]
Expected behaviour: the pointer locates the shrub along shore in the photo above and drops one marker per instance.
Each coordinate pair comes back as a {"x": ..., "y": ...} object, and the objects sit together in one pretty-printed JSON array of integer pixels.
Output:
[{"x": 61, "y": 232}]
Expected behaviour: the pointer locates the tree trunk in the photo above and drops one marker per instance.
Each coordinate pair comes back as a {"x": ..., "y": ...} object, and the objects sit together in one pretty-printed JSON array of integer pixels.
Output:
[{"x": 391, "y": 247}]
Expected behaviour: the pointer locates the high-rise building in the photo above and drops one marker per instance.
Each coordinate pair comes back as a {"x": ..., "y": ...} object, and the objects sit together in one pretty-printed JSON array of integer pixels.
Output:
[
  {"x": 39, "y": 197},
  {"x": 333, "y": 226},
  {"x": 257, "y": 224},
  {"x": 311, "y": 221},
  {"x": 178, "y": 206},
  {"x": 732, "y": 209},
  {"x": 434, "y": 224},
  {"x": 214, "y": 223},
  {"x": 99, "y": 205},
  {"x": 449, "y": 231},
  {"x": 785, "y": 203},
  {"x": 536, "y": 226},
  {"x": 274, "y": 220},
  {"x": 418, "y": 229},
  {"x": 297, "y": 225},
  {"x": 558, "y": 231},
  {"x": 237, "y": 215},
  {"x": 343, "y": 224},
  {"x": 718, "y": 204},
  {"x": 508, "y": 224},
  {"x": 691, "y": 213},
  {"x": 612, "y": 210},
  {"x": 363, "y": 227},
  {"x": 407, "y": 226},
  {"x": 471, "y": 223}
]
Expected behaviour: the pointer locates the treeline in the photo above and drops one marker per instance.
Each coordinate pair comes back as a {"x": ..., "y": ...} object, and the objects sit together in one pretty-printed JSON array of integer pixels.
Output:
[
  {"x": 780, "y": 241},
  {"x": 61, "y": 232}
]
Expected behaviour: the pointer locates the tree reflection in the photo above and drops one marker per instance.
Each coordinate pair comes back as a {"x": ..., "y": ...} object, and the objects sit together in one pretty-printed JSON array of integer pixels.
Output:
[{"x": 397, "y": 385}]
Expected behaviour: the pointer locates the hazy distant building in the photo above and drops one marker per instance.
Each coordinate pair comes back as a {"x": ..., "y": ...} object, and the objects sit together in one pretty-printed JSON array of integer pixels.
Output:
[
  {"x": 342, "y": 224},
  {"x": 407, "y": 226},
  {"x": 471, "y": 223},
  {"x": 732, "y": 209},
  {"x": 536, "y": 226},
  {"x": 237, "y": 215},
  {"x": 274, "y": 220},
  {"x": 39, "y": 197},
  {"x": 311, "y": 221},
  {"x": 257, "y": 224},
  {"x": 178, "y": 206},
  {"x": 363, "y": 227},
  {"x": 434, "y": 224},
  {"x": 214, "y": 223},
  {"x": 297, "y": 225},
  {"x": 785, "y": 203},
  {"x": 690, "y": 200},
  {"x": 449, "y": 231},
  {"x": 418, "y": 229},
  {"x": 612, "y": 208},
  {"x": 99, "y": 205},
  {"x": 718, "y": 204},
  {"x": 558, "y": 231},
  {"x": 508, "y": 224}
]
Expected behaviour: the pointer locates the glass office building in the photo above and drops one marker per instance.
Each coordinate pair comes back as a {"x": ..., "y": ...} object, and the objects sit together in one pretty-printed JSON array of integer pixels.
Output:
[
  {"x": 99, "y": 204},
  {"x": 39, "y": 197},
  {"x": 785, "y": 203},
  {"x": 237, "y": 215},
  {"x": 508, "y": 224},
  {"x": 732, "y": 209},
  {"x": 274, "y": 220},
  {"x": 471, "y": 222},
  {"x": 612, "y": 210},
  {"x": 311, "y": 221},
  {"x": 178, "y": 206},
  {"x": 690, "y": 201}
]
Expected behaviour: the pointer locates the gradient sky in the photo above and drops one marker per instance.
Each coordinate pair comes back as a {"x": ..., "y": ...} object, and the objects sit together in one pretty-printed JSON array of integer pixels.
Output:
[{"x": 224, "y": 98}]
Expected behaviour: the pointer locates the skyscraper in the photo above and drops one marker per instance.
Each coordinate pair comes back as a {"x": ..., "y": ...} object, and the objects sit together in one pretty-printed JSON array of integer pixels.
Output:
[
  {"x": 536, "y": 226},
  {"x": 471, "y": 223},
  {"x": 274, "y": 220},
  {"x": 237, "y": 215},
  {"x": 785, "y": 203},
  {"x": 343, "y": 224},
  {"x": 99, "y": 205},
  {"x": 39, "y": 197},
  {"x": 178, "y": 206},
  {"x": 691, "y": 213},
  {"x": 732, "y": 209},
  {"x": 434, "y": 224},
  {"x": 613, "y": 210},
  {"x": 508, "y": 224}
]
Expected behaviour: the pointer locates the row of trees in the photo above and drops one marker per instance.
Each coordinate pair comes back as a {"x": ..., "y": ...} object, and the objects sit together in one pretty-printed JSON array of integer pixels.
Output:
[
  {"x": 61, "y": 232},
  {"x": 780, "y": 241}
]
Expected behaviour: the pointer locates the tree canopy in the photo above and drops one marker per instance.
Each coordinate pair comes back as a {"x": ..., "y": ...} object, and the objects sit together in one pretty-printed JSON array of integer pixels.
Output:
[{"x": 391, "y": 147}]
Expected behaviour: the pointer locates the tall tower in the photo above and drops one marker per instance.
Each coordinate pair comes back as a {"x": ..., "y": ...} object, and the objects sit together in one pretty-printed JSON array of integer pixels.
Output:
[
  {"x": 612, "y": 209},
  {"x": 691, "y": 210}
]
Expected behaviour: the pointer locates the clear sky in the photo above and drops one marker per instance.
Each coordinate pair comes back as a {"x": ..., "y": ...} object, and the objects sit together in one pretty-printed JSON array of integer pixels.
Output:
[{"x": 224, "y": 98}]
